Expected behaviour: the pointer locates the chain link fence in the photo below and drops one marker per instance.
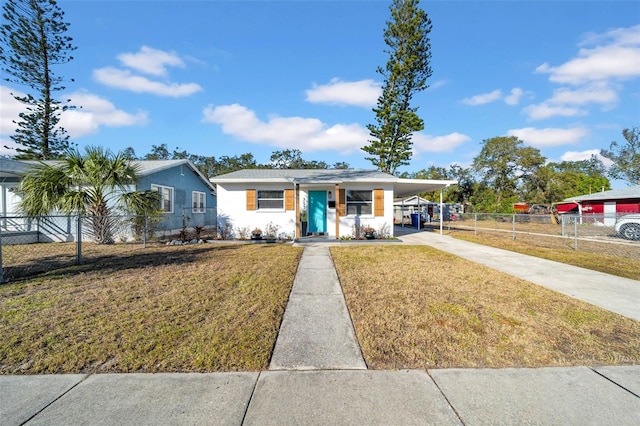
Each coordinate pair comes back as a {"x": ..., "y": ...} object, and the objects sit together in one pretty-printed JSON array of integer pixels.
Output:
[
  {"x": 30, "y": 246},
  {"x": 590, "y": 233}
]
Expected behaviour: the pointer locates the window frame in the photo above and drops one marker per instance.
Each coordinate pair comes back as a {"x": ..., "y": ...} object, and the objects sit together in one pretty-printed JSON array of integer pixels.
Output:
[
  {"x": 280, "y": 200},
  {"x": 198, "y": 202},
  {"x": 161, "y": 188},
  {"x": 350, "y": 204}
]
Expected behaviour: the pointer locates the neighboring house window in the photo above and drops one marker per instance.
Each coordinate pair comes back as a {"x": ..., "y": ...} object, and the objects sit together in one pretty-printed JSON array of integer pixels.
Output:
[
  {"x": 166, "y": 201},
  {"x": 270, "y": 200},
  {"x": 359, "y": 202},
  {"x": 199, "y": 201}
]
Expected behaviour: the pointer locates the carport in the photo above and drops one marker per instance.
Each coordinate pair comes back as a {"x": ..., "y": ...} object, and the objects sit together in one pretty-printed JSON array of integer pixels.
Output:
[{"x": 413, "y": 187}]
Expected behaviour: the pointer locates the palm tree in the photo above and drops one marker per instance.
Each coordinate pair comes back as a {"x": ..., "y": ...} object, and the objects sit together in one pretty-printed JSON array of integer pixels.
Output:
[{"x": 94, "y": 184}]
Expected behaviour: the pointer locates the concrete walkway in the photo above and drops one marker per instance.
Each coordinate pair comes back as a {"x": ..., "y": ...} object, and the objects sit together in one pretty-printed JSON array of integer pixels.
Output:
[
  {"x": 316, "y": 331},
  {"x": 317, "y": 375}
]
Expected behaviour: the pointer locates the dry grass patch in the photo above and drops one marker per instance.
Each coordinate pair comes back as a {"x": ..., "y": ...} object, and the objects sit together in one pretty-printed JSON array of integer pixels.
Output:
[
  {"x": 195, "y": 308},
  {"x": 417, "y": 307}
]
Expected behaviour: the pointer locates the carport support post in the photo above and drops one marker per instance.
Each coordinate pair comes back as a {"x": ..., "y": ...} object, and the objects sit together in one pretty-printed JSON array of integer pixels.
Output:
[{"x": 441, "y": 212}]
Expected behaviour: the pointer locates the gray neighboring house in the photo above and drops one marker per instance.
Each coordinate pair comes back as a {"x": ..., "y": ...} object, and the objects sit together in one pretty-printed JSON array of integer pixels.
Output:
[
  {"x": 188, "y": 198},
  {"x": 11, "y": 172}
]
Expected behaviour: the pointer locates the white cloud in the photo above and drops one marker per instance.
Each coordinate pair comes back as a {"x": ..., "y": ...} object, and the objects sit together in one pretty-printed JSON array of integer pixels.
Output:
[
  {"x": 514, "y": 97},
  {"x": 95, "y": 112},
  {"x": 548, "y": 137},
  {"x": 483, "y": 98},
  {"x": 148, "y": 61},
  {"x": 445, "y": 143},
  {"x": 597, "y": 92},
  {"x": 11, "y": 146},
  {"x": 151, "y": 61},
  {"x": 585, "y": 155},
  {"x": 617, "y": 58},
  {"x": 10, "y": 110},
  {"x": 363, "y": 93},
  {"x": 622, "y": 36},
  {"x": 566, "y": 102},
  {"x": 438, "y": 84},
  {"x": 92, "y": 112},
  {"x": 306, "y": 134},
  {"x": 124, "y": 79},
  {"x": 544, "y": 110},
  {"x": 598, "y": 70}
]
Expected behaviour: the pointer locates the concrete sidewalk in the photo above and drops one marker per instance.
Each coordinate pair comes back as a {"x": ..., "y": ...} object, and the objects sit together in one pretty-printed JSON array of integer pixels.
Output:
[
  {"x": 317, "y": 375},
  {"x": 567, "y": 396}
]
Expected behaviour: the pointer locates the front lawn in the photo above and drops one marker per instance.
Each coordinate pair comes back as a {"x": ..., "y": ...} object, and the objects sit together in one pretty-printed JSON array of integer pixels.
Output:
[
  {"x": 417, "y": 307},
  {"x": 191, "y": 308}
]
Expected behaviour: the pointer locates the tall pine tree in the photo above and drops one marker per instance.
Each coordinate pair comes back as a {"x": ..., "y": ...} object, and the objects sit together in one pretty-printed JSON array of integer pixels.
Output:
[
  {"x": 32, "y": 42},
  {"x": 406, "y": 73}
]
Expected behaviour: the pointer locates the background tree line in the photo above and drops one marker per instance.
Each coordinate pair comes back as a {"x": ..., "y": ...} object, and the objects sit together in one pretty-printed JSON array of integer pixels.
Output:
[
  {"x": 211, "y": 166},
  {"x": 506, "y": 171}
]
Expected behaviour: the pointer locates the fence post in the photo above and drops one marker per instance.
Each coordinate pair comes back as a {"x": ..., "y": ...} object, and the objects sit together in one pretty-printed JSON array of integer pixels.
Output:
[
  {"x": 144, "y": 231},
  {"x": 1, "y": 267},
  {"x": 79, "y": 240},
  {"x": 575, "y": 234},
  {"x": 475, "y": 224},
  {"x": 513, "y": 227}
]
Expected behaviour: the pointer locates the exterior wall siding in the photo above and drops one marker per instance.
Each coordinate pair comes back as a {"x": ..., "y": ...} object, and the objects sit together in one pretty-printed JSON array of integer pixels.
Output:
[
  {"x": 183, "y": 181},
  {"x": 233, "y": 213},
  {"x": 232, "y": 210}
]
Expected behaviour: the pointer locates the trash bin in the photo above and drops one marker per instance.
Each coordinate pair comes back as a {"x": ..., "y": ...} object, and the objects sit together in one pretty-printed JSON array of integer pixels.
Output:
[{"x": 415, "y": 220}]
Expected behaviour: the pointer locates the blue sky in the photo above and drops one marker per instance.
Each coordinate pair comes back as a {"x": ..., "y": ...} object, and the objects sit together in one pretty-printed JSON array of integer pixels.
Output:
[{"x": 222, "y": 78}]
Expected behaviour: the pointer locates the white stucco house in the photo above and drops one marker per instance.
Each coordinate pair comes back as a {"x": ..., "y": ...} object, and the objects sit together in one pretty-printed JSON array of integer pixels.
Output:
[{"x": 335, "y": 201}]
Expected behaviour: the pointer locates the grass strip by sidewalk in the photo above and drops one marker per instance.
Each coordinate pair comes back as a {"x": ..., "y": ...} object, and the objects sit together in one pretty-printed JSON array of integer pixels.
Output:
[
  {"x": 170, "y": 309},
  {"x": 417, "y": 307}
]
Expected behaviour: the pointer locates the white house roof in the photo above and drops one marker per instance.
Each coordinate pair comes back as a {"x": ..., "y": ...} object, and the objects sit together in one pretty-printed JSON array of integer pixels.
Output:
[
  {"x": 332, "y": 176},
  {"x": 614, "y": 194}
]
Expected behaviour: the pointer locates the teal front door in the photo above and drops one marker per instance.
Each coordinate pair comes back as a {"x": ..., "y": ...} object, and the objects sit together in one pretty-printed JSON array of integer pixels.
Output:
[{"x": 318, "y": 212}]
